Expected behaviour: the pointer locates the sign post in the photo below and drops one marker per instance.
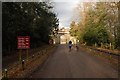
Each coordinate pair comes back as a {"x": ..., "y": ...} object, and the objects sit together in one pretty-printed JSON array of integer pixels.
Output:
[
  {"x": 20, "y": 57},
  {"x": 27, "y": 54},
  {"x": 23, "y": 43}
]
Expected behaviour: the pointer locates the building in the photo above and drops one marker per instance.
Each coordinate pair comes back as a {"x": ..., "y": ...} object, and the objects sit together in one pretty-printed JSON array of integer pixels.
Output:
[{"x": 63, "y": 37}]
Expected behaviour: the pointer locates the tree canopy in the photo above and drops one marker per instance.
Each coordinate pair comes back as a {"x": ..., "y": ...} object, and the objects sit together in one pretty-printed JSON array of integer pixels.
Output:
[
  {"x": 34, "y": 19},
  {"x": 98, "y": 23}
]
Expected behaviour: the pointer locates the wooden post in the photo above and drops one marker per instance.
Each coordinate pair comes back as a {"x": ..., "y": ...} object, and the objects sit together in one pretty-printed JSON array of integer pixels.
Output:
[
  {"x": 110, "y": 58},
  {"x": 23, "y": 64},
  {"x": 6, "y": 75},
  {"x": 27, "y": 54},
  {"x": 101, "y": 45},
  {"x": 20, "y": 57},
  {"x": 95, "y": 44},
  {"x": 110, "y": 46}
]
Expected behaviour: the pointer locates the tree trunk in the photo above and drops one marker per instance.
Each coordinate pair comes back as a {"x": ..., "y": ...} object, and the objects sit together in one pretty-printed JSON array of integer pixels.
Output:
[{"x": 118, "y": 28}]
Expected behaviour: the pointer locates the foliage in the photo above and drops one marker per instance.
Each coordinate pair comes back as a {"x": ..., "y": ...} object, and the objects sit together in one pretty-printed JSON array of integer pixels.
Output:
[
  {"x": 73, "y": 29},
  {"x": 118, "y": 27},
  {"x": 34, "y": 19},
  {"x": 98, "y": 23}
]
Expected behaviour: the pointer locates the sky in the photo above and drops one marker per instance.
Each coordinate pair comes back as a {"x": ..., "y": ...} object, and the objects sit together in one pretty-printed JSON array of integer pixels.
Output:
[{"x": 65, "y": 10}]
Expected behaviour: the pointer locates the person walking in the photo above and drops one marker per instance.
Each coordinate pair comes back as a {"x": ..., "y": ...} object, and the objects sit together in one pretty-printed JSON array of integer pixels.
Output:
[{"x": 70, "y": 45}]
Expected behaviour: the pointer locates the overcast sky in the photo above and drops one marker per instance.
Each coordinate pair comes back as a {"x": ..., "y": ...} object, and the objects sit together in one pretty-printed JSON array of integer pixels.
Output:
[{"x": 65, "y": 10}]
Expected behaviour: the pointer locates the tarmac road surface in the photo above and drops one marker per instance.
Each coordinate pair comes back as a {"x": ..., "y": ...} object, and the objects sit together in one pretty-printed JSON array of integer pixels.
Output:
[{"x": 65, "y": 64}]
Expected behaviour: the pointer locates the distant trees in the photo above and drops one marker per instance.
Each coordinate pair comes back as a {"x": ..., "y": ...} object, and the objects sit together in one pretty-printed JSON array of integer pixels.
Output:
[
  {"x": 34, "y": 19},
  {"x": 118, "y": 27},
  {"x": 98, "y": 23}
]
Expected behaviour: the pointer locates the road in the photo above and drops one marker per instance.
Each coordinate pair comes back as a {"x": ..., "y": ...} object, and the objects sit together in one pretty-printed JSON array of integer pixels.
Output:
[{"x": 65, "y": 64}]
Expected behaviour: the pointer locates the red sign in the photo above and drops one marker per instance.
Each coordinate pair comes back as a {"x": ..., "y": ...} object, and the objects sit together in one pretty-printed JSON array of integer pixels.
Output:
[{"x": 23, "y": 42}]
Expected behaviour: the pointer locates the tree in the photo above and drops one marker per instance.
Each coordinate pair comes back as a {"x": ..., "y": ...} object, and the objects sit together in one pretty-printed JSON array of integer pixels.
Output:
[
  {"x": 34, "y": 19},
  {"x": 95, "y": 24},
  {"x": 118, "y": 27}
]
